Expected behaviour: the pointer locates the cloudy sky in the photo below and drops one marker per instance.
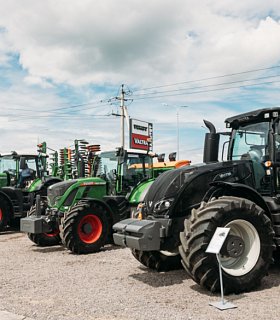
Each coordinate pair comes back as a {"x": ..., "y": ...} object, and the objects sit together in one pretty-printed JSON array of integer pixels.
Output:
[{"x": 63, "y": 62}]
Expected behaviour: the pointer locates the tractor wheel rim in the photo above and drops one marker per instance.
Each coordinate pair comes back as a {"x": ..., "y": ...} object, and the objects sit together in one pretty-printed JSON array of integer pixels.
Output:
[
  {"x": 246, "y": 262},
  {"x": 95, "y": 227},
  {"x": 171, "y": 253},
  {"x": 0, "y": 214},
  {"x": 52, "y": 233}
]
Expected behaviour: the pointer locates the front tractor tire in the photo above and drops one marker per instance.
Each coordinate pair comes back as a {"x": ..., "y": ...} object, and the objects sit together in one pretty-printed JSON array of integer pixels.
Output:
[
  {"x": 160, "y": 261},
  {"x": 245, "y": 220},
  {"x": 51, "y": 238},
  {"x": 86, "y": 228}
]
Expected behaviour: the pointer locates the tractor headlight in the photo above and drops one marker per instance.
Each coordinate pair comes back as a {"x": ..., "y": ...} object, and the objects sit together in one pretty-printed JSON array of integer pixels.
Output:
[
  {"x": 56, "y": 201},
  {"x": 167, "y": 204},
  {"x": 163, "y": 204}
]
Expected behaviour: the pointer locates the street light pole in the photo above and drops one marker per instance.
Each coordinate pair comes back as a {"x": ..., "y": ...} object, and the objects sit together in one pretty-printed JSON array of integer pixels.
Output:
[{"x": 177, "y": 111}]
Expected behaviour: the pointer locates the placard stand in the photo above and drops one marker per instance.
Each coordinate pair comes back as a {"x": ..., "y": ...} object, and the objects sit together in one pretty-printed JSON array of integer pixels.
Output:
[{"x": 215, "y": 246}]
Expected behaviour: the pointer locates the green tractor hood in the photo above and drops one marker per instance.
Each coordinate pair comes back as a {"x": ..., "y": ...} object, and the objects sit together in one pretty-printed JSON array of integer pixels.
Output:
[{"x": 3, "y": 180}]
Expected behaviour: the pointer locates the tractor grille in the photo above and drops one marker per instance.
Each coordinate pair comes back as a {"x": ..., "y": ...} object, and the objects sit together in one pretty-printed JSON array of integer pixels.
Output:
[{"x": 59, "y": 189}]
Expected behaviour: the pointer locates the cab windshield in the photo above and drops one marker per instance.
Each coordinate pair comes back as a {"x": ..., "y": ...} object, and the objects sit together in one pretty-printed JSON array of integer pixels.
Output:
[
  {"x": 7, "y": 163},
  {"x": 136, "y": 168},
  {"x": 121, "y": 178},
  {"x": 10, "y": 165},
  {"x": 251, "y": 142},
  {"x": 104, "y": 164}
]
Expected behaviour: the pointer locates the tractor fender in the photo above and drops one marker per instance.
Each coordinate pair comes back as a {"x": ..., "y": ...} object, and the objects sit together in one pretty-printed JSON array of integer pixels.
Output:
[
  {"x": 103, "y": 204},
  {"x": 51, "y": 180},
  {"x": 43, "y": 185},
  {"x": 10, "y": 204},
  {"x": 236, "y": 190}
]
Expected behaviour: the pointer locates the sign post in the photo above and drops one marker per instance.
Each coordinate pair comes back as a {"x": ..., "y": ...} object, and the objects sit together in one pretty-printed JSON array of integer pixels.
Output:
[{"x": 215, "y": 246}]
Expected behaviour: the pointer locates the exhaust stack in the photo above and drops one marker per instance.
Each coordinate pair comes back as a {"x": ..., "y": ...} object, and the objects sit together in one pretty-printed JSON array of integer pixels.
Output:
[
  {"x": 161, "y": 157},
  {"x": 172, "y": 156},
  {"x": 211, "y": 144}
]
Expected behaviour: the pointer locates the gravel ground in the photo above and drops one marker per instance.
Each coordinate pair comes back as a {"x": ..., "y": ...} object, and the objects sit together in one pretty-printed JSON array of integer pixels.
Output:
[{"x": 52, "y": 283}]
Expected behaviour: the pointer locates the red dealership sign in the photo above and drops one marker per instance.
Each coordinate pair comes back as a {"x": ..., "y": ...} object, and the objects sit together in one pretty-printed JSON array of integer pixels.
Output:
[{"x": 141, "y": 135}]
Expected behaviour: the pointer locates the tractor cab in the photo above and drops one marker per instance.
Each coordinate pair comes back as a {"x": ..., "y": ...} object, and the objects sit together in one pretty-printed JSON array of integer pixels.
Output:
[
  {"x": 11, "y": 166},
  {"x": 122, "y": 170},
  {"x": 255, "y": 136}
]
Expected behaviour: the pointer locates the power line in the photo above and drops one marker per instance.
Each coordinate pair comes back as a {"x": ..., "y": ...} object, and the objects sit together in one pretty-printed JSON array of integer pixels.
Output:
[
  {"x": 212, "y": 90},
  {"x": 174, "y": 84},
  {"x": 210, "y": 78},
  {"x": 83, "y": 118},
  {"x": 81, "y": 105},
  {"x": 58, "y": 109},
  {"x": 24, "y": 116},
  {"x": 140, "y": 96},
  {"x": 210, "y": 85}
]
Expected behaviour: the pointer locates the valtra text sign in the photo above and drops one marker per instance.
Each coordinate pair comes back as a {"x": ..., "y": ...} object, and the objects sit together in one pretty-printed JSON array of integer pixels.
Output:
[{"x": 140, "y": 133}]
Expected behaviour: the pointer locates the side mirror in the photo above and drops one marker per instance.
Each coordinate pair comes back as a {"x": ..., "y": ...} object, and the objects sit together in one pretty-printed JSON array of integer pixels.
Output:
[
  {"x": 123, "y": 157},
  {"x": 121, "y": 153},
  {"x": 22, "y": 163}
]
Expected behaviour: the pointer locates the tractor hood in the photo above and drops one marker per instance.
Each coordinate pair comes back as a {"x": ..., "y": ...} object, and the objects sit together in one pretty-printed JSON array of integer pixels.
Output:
[
  {"x": 3, "y": 180},
  {"x": 177, "y": 191},
  {"x": 56, "y": 191}
]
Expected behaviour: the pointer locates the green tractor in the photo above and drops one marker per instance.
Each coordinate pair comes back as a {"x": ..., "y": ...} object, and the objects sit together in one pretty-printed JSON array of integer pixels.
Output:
[
  {"x": 82, "y": 211},
  {"x": 17, "y": 194}
]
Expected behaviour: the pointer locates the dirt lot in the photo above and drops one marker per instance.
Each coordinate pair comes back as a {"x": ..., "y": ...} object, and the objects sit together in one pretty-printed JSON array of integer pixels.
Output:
[{"x": 52, "y": 283}]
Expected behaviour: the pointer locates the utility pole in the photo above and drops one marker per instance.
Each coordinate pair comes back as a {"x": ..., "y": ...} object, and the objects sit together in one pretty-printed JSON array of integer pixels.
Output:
[
  {"x": 124, "y": 114},
  {"x": 122, "y": 117}
]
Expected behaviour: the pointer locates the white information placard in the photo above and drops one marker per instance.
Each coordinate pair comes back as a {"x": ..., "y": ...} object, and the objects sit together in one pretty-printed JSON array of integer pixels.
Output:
[{"x": 217, "y": 240}]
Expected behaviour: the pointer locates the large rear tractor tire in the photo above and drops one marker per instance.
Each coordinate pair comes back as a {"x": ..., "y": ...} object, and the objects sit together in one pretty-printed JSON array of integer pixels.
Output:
[
  {"x": 86, "y": 228},
  {"x": 4, "y": 213},
  {"x": 160, "y": 261},
  {"x": 51, "y": 238},
  {"x": 245, "y": 220}
]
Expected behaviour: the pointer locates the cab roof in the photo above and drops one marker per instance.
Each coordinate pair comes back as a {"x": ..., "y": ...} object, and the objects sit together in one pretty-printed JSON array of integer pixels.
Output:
[{"x": 252, "y": 116}]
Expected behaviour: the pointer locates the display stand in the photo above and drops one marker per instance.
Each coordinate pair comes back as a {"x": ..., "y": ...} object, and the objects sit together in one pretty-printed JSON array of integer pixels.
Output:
[{"x": 214, "y": 247}]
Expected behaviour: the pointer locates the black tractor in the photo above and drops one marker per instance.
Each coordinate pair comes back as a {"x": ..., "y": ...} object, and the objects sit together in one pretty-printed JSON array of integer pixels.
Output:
[{"x": 183, "y": 208}]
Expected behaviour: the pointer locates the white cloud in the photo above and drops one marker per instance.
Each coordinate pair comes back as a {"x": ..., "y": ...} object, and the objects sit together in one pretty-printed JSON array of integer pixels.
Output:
[
  {"x": 91, "y": 45},
  {"x": 111, "y": 42},
  {"x": 4, "y": 49},
  {"x": 33, "y": 80},
  {"x": 245, "y": 47}
]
